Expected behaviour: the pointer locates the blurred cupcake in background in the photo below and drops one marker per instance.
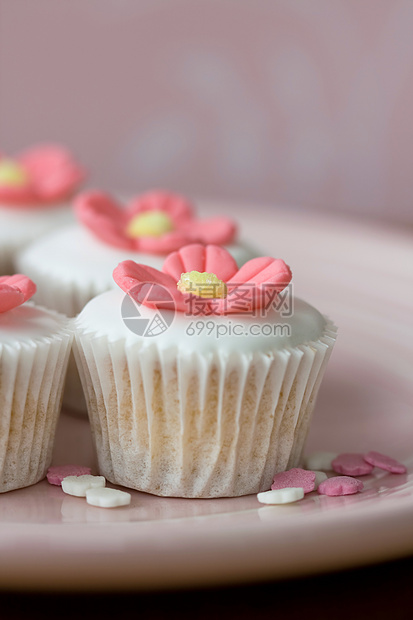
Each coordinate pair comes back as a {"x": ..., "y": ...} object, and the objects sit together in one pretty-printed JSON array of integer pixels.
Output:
[
  {"x": 35, "y": 344},
  {"x": 146, "y": 230},
  {"x": 36, "y": 188},
  {"x": 75, "y": 263}
]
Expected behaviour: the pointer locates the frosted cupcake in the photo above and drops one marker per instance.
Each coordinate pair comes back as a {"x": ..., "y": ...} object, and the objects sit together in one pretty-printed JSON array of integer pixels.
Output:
[
  {"x": 74, "y": 264},
  {"x": 201, "y": 380},
  {"x": 35, "y": 192},
  {"x": 34, "y": 351}
]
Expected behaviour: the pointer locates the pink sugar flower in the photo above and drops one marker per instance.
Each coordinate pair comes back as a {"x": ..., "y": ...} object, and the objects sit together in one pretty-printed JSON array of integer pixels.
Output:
[
  {"x": 156, "y": 222},
  {"x": 205, "y": 279},
  {"x": 39, "y": 177},
  {"x": 14, "y": 291}
]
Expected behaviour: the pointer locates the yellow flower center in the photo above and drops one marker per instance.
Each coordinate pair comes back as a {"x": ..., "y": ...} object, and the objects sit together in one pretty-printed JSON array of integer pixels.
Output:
[
  {"x": 203, "y": 284},
  {"x": 12, "y": 174},
  {"x": 149, "y": 224}
]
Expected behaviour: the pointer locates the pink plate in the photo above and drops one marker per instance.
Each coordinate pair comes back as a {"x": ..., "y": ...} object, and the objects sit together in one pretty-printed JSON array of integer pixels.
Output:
[{"x": 361, "y": 276}]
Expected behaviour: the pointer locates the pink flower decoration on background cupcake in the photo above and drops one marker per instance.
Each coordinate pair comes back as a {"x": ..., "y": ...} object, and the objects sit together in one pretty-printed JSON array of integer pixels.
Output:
[
  {"x": 205, "y": 279},
  {"x": 156, "y": 222},
  {"x": 14, "y": 291},
  {"x": 39, "y": 177}
]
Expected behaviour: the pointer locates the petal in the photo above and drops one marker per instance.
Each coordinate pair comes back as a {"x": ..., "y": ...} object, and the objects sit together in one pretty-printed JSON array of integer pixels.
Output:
[
  {"x": 104, "y": 217},
  {"x": 128, "y": 275},
  {"x": 217, "y": 230},
  {"x": 54, "y": 173},
  {"x": 19, "y": 196},
  {"x": 21, "y": 283},
  {"x": 264, "y": 269},
  {"x": 252, "y": 268},
  {"x": 188, "y": 258},
  {"x": 10, "y": 297},
  {"x": 173, "y": 265},
  {"x": 248, "y": 288},
  {"x": 176, "y": 206},
  {"x": 168, "y": 242},
  {"x": 219, "y": 261},
  {"x": 44, "y": 157},
  {"x": 198, "y": 257}
]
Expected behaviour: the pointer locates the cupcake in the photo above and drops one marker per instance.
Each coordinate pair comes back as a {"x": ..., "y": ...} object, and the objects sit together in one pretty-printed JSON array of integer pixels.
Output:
[
  {"x": 85, "y": 254},
  {"x": 34, "y": 351},
  {"x": 200, "y": 379},
  {"x": 35, "y": 191}
]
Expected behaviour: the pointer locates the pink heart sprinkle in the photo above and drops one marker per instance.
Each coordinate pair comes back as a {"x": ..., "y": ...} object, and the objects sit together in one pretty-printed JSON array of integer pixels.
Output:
[
  {"x": 376, "y": 459},
  {"x": 56, "y": 474},
  {"x": 351, "y": 464},
  {"x": 295, "y": 477},
  {"x": 340, "y": 485}
]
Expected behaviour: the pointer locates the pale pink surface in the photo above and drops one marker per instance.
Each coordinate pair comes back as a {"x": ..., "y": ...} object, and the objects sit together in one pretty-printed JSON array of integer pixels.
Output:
[
  {"x": 351, "y": 464},
  {"x": 340, "y": 485},
  {"x": 52, "y": 176},
  {"x": 15, "y": 290},
  {"x": 49, "y": 540},
  {"x": 108, "y": 220},
  {"x": 376, "y": 459},
  {"x": 55, "y": 474},
  {"x": 295, "y": 477},
  {"x": 258, "y": 274}
]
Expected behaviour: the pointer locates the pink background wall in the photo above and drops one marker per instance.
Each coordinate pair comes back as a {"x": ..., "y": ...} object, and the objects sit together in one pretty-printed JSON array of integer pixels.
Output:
[{"x": 305, "y": 103}]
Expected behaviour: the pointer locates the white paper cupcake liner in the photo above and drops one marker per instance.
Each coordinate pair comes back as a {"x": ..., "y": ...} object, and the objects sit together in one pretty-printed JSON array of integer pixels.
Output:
[
  {"x": 199, "y": 425},
  {"x": 31, "y": 382},
  {"x": 74, "y": 401},
  {"x": 59, "y": 292}
]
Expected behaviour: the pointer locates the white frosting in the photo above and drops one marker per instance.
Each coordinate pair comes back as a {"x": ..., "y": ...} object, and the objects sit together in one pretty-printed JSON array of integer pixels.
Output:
[
  {"x": 75, "y": 255},
  {"x": 102, "y": 317},
  {"x": 20, "y": 224},
  {"x": 29, "y": 322}
]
